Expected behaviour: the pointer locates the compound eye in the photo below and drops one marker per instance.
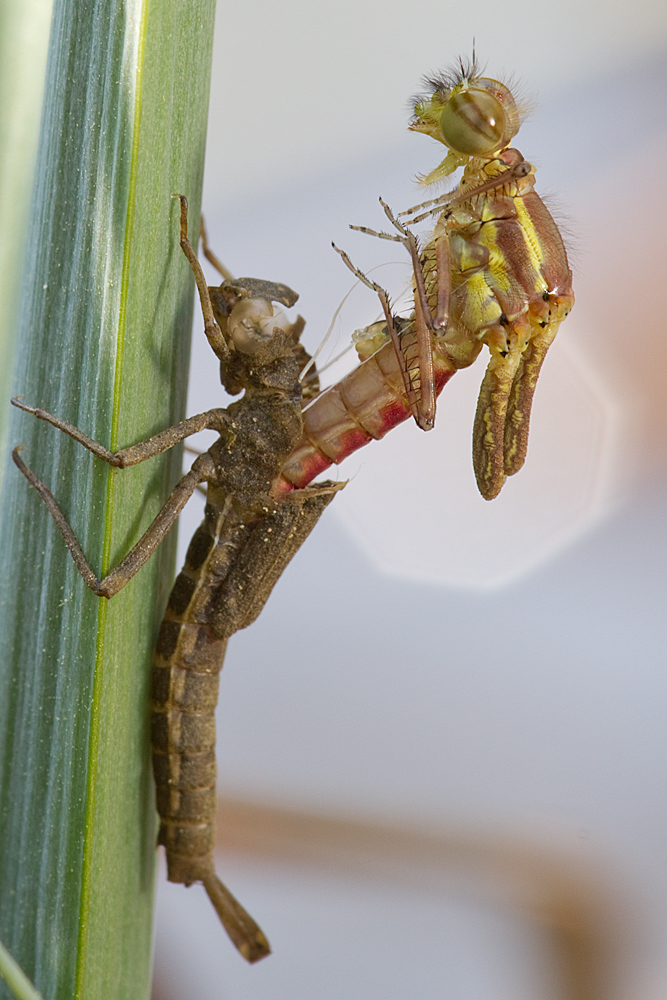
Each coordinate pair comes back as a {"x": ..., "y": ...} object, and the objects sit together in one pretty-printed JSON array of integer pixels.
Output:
[
  {"x": 474, "y": 123},
  {"x": 252, "y": 323}
]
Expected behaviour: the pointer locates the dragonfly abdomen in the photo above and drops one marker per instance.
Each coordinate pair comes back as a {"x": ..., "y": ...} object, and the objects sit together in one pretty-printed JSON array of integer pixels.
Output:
[{"x": 186, "y": 667}]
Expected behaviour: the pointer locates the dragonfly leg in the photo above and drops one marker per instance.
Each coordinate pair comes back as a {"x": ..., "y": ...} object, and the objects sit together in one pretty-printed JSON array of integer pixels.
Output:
[
  {"x": 389, "y": 319},
  {"x": 417, "y": 377},
  {"x": 211, "y": 328},
  {"x": 423, "y": 204},
  {"x": 135, "y": 453},
  {"x": 425, "y": 324},
  {"x": 210, "y": 256},
  {"x": 457, "y": 196},
  {"x": 196, "y": 451},
  {"x": 424, "y": 406},
  {"x": 374, "y": 232},
  {"x": 409, "y": 241},
  {"x": 373, "y": 285},
  {"x": 114, "y": 581}
]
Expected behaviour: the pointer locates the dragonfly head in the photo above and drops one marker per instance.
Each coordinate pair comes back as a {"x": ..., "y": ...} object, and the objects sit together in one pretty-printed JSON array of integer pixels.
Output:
[{"x": 472, "y": 115}]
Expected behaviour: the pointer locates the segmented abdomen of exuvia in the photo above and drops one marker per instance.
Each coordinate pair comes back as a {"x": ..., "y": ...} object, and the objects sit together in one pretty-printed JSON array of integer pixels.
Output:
[
  {"x": 234, "y": 560},
  {"x": 186, "y": 667}
]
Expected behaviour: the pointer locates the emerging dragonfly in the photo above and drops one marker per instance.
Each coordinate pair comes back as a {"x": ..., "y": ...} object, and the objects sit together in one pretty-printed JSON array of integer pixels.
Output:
[{"x": 494, "y": 272}]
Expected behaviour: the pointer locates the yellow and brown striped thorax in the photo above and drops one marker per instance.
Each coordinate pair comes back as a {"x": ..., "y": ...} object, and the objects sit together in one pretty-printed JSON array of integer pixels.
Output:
[{"x": 507, "y": 255}]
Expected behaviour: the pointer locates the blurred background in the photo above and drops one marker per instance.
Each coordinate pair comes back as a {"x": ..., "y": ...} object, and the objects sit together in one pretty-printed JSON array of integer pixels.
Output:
[{"x": 442, "y": 746}]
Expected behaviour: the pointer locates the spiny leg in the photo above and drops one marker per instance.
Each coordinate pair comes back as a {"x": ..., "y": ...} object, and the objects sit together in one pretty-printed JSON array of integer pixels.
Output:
[
  {"x": 426, "y": 405},
  {"x": 378, "y": 234},
  {"x": 437, "y": 202},
  {"x": 409, "y": 241},
  {"x": 147, "y": 544},
  {"x": 389, "y": 319},
  {"x": 514, "y": 173},
  {"x": 425, "y": 322},
  {"x": 418, "y": 379},
  {"x": 459, "y": 196},
  {"x": 197, "y": 451},
  {"x": 200, "y": 472}
]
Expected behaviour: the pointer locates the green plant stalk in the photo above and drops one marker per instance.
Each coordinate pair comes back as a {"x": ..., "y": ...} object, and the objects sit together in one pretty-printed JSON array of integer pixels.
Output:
[
  {"x": 24, "y": 38},
  {"x": 104, "y": 343}
]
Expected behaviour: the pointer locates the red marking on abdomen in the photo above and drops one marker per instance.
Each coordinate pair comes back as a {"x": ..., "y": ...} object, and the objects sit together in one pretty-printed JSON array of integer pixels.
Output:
[{"x": 308, "y": 460}]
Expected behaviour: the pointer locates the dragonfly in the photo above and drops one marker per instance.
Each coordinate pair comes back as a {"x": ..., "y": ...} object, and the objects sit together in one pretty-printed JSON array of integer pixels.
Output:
[{"x": 494, "y": 271}]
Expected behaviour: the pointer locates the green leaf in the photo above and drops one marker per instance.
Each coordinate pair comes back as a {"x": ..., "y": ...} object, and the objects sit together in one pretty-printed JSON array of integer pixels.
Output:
[
  {"x": 24, "y": 37},
  {"x": 104, "y": 343}
]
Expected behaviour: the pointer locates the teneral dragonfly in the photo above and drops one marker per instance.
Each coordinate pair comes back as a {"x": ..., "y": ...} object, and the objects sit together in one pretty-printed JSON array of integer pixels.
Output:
[{"x": 494, "y": 272}]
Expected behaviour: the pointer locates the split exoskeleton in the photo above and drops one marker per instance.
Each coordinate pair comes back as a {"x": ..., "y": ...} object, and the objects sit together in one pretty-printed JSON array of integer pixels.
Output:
[
  {"x": 246, "y": 540},
  {"x": 494, "y": 271}
]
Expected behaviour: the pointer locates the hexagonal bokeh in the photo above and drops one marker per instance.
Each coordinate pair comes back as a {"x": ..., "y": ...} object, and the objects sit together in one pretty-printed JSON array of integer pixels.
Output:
[{"x": 416, "y": 511}]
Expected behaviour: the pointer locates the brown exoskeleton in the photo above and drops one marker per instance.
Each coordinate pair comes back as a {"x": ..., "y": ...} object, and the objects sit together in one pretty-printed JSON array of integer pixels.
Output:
[{"x": 249, "y": 534}]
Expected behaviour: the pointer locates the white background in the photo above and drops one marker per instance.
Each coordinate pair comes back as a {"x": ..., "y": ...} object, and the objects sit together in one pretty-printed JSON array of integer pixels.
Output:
[{"x": 428, "y": 657}]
